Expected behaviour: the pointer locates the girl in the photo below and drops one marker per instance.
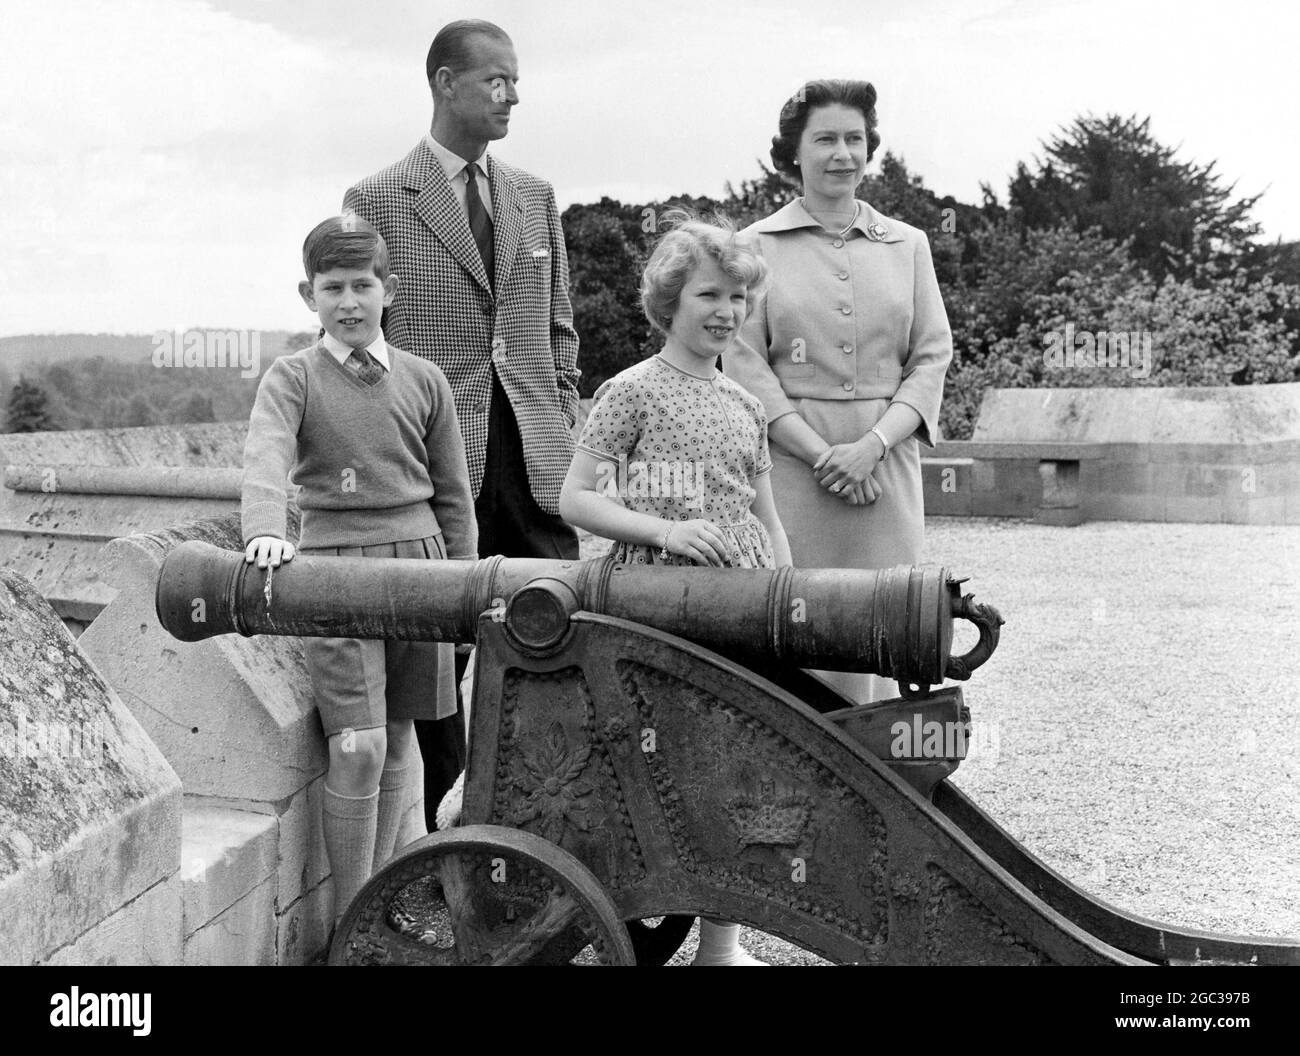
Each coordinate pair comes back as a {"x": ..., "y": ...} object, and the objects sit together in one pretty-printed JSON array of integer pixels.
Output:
[{"x": 682, "y": 446}]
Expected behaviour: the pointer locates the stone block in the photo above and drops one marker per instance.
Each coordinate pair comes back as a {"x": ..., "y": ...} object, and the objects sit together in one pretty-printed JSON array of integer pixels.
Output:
[
  {"x": 144, "y": 932},
  {"x": 1269, "y": 509},
  {"x": 302, "y": 863},
  {"x": 225, "y": 855},
  {"x": 1116, "y": 506},
  {"x": 304, "y": 927},
  {"x": 244, "y": 934},
  {"x": 1195, "y": 509},
  {"x": 90, "y": 811},
  {"x": 1015, "y": 489},
  {"x": 1115, "y": 478},
  {"x": 264, "y": 743},
  {"x": 946, "y": 485}
]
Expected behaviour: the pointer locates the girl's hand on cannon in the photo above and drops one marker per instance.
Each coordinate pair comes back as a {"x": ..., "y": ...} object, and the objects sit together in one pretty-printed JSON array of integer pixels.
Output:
[
  {"x": 267, "y": 550},
  {"x": 699, "y": 540}
]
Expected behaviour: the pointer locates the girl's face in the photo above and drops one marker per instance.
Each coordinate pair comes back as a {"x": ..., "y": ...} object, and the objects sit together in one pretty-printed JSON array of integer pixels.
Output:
[
  {"x": 710, "y": 311},
  {"x": 832, "y": 151}
]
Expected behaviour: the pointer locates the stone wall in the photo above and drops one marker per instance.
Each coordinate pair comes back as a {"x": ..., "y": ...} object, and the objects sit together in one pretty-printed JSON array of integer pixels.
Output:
[
  {"x": 1143, "y": 454},
  {"x": 90, "y": 810}
]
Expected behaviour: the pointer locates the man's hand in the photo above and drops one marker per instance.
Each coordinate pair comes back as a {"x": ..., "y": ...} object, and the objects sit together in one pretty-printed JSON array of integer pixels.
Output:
[{"x": 267, "y": 550}]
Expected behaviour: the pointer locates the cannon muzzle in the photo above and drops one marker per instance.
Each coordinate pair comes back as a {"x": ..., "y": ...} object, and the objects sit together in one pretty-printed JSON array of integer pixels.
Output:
[{"x": 894, "y": 622}]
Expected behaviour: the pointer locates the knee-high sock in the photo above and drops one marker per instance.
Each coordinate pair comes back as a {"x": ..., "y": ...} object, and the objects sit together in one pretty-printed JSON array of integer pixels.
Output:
[
  {"x": 349, "y": 824},
  {"x": 392, "y": 804},
  {"x": 720, "y": 945},
  {"x": 412, "y": 826}
]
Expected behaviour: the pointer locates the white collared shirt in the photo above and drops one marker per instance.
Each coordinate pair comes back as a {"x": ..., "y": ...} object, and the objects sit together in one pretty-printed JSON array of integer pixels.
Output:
[
  {"x": 454, "y": 166},
  {"x": 377, "y": 348}
]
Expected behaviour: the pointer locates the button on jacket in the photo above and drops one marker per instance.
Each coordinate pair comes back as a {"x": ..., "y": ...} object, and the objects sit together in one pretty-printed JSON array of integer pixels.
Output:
[{"x": 857, "y": 317}]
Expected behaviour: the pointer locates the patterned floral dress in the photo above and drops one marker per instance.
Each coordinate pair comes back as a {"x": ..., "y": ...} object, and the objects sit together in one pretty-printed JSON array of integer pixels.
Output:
[{"x": 681, "y": 447}]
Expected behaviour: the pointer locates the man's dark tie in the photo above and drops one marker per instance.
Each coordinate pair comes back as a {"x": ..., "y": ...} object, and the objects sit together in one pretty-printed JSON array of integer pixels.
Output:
[
  {"x": 368, "y": 369},
  {"x": 480, "y": 223}
]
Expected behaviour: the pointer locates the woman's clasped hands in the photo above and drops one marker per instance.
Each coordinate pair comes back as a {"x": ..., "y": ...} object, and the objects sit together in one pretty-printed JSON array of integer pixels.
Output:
[{"x": 846, "y": 470}]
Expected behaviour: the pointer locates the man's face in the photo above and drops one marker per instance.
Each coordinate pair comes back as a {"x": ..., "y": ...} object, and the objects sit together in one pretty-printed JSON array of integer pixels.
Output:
[{"x": 482, "y": 95}]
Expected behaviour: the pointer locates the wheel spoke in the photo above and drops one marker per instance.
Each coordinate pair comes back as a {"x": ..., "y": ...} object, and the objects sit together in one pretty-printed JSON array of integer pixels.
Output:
[
  {"x": 472, "y": 938},
  {"x": 528, "y": 938}
]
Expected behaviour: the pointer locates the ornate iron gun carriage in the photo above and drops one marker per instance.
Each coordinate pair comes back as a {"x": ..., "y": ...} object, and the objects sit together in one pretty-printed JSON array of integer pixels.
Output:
[{"x": 646, "y": 744}]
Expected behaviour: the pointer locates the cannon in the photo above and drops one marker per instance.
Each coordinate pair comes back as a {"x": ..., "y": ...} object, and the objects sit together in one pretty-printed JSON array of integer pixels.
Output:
[{"x": 646, "y": 745}]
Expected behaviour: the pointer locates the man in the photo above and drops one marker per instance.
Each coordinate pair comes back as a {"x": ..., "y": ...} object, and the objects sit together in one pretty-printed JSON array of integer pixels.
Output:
[{"x": 479, "y": 253}]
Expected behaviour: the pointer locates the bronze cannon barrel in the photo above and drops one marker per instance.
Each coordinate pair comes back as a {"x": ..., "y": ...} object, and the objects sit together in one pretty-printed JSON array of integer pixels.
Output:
[{"x": 896, "y": 622}]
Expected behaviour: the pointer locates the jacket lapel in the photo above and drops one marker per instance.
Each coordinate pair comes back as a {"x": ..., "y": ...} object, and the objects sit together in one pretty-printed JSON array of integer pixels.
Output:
[
  {"x": 436, "y": 204},
  {"x": 507, "y": 219}
]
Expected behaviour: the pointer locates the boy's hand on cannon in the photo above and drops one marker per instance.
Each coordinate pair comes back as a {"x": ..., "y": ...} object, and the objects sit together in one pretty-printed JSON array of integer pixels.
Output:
[
  {"x": 267, "y": 550},
  {"x": 699, "y": 540}
]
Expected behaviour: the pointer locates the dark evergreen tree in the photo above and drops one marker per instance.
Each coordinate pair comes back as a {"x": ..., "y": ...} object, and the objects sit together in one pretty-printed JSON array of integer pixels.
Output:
[
  {"x": 1112, "y": 174},
  {"x": 28, "y": 410}
]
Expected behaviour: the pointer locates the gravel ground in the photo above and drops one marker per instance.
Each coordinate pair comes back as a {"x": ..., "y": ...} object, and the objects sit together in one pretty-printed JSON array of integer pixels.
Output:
[{"x": 1137, "y": 727}]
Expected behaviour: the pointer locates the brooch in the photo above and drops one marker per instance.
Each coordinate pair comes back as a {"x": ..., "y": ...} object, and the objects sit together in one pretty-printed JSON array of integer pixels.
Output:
[{"x": 877, "y": 232}]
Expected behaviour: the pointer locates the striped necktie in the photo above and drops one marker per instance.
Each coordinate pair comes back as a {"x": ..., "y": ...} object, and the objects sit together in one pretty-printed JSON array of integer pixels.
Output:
[
  {"x": 480, "y": 224},
  {"x": 368, "y": 368}
]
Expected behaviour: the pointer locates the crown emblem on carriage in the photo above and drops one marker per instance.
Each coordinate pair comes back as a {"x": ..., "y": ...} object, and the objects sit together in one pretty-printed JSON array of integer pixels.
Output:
[{"x": 772, "y": 817}]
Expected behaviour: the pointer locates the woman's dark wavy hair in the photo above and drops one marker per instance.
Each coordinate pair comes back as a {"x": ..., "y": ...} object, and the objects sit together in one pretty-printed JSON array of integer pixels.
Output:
[{"x": 861, "y": 95}]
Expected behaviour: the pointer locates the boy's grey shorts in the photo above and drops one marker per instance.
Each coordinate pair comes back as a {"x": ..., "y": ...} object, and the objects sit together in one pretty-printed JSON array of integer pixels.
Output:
[{"x": 360, "y": 684}]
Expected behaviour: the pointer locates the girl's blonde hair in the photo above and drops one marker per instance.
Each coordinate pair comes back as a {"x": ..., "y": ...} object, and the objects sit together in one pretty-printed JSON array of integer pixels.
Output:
[{"x": 689, "y": 241}]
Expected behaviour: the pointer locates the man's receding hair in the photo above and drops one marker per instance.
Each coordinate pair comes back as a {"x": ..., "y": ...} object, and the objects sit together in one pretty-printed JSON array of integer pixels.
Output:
[
  {"x": 346, "y": 241},
  {"x": 451, "y": 47}
]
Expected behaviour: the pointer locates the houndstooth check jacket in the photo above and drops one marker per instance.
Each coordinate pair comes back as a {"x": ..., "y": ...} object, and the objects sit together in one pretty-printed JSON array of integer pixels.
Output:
[{"x": 445, "y": 311}]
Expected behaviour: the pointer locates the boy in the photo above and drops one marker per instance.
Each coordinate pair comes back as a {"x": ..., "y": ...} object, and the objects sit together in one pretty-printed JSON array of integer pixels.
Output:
[{"x": 371, "y": 435}]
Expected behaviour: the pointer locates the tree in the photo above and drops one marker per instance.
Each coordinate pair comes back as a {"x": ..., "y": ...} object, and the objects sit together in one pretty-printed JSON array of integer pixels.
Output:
[
  {"x": 757, "y": 198},
  {"x": 28, "y": 410},
  {"x": 139, "y": 411},
  {"x": 604, "y": 286},
  {"x": 196, "y": 407},
  {"x": 1112, "y": 174}
]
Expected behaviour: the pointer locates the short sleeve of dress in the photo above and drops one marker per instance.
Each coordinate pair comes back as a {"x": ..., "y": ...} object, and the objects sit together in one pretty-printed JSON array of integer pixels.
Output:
[
  {"x": 763, "y": 462},
  {"x": 616, "y": 421},
  {"x": 762, "y": 454}
]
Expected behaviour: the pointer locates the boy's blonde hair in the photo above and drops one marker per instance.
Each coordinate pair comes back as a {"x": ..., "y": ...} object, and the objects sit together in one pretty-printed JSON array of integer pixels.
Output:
[{"x": 689, "y": 241}]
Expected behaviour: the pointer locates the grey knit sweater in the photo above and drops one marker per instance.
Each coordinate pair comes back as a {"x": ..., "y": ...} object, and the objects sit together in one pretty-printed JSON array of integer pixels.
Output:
[{"x": 375, "y": 464}]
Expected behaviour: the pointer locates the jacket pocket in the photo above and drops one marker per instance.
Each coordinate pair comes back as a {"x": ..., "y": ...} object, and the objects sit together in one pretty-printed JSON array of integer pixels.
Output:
[{"x": 795, "y": 371}]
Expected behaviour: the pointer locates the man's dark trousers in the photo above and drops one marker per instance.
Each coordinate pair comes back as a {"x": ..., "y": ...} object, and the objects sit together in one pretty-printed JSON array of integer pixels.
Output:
[{"x": 510, "y": 523}]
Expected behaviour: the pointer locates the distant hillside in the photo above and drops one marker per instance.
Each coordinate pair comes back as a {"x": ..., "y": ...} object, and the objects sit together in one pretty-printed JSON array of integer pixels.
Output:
[
  {"x": 95, "y": 381},
  {"x": 16, "y": 353}
]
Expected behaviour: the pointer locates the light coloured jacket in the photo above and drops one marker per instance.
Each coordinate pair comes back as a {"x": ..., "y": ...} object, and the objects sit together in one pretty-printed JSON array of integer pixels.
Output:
[
  {"x": 844, "y": 319},
  {"x": 445, "y": 310}
]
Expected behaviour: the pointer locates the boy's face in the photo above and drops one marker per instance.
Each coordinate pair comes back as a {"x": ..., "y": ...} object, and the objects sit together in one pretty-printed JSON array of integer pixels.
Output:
[{"x": 349, "y": 302}]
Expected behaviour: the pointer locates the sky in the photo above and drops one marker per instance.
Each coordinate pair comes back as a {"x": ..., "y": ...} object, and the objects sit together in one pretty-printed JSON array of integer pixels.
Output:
[{"x": 162, "y": 160}]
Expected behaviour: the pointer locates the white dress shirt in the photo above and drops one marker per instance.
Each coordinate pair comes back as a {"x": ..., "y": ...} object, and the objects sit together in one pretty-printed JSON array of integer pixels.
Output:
[
  {"x": 377, "y": 348},
  {"x": 454, "y": 165}
]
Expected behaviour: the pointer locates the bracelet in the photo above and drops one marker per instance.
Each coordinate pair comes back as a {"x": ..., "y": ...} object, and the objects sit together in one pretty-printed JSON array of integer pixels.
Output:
[
  {"x": 663, "y": 550},
  {"x": 884, "y": 444}
]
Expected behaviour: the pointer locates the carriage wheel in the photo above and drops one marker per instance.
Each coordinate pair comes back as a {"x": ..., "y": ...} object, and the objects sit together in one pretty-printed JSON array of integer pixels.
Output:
[
  {"x": 499, "y": 896},
  {"x": 655, "y": 944}
]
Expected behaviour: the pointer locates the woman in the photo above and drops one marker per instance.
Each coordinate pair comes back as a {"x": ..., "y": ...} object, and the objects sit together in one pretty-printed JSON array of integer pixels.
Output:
[{"x": 848, "y": 350}]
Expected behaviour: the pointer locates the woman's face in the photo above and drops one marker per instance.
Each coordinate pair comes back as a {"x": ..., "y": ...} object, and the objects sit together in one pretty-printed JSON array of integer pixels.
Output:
[{"x": 832, "y": 152}]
